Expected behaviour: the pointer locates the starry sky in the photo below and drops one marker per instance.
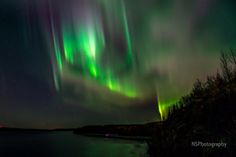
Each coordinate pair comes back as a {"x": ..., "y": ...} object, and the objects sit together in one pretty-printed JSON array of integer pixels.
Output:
[{"x": 80, "y": 62}]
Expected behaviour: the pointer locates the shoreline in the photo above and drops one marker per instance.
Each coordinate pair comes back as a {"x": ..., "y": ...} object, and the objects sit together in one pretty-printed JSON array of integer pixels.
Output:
[{"x": 116, "y": 136}]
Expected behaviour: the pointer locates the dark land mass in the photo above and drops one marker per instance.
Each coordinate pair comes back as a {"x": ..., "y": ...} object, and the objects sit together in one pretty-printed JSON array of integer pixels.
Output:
[
  {"x": 135, "y": 131},
  {"x": 205, "y": 116}
]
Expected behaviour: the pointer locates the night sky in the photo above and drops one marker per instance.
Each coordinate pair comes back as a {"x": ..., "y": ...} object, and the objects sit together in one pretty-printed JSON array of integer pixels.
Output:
[{"x": 80, "y": 62}]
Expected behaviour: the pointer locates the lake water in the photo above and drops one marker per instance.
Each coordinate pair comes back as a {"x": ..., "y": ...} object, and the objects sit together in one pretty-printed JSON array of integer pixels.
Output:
[{"x": 67, "y": 144}]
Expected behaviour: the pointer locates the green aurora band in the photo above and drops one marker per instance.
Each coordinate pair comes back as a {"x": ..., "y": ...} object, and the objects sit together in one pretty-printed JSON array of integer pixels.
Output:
[{"x": 82, "y": 48}]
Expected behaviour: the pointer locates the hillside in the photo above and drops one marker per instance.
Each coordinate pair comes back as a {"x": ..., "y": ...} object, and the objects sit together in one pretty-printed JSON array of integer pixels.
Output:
[{"x": 204, "y": 124}]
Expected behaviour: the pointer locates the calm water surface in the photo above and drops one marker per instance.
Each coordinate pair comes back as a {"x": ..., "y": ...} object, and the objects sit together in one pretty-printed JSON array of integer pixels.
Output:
[{"x": 66, "y": 144}]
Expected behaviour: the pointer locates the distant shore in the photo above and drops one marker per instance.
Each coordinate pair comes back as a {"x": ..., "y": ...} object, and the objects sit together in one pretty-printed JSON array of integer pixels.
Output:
[
  {"x": 115, "y": 131},
  {"x": 130, "y": 132},
  {"x": 116, "y": 136}
]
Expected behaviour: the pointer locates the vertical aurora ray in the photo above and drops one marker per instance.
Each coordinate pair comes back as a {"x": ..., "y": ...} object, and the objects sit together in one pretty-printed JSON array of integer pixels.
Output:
[
  {"x": 127, "y": 33},
  {"x": 165, "y": 106},
  {"x": 57, "y": 57},
  {"x": 58, "y": 63}
]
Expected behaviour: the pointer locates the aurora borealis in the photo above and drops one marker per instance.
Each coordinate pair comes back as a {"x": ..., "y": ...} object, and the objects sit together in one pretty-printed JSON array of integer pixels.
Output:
[
  {"x": 65, "y": 64},
  {"x": 83, "y": 42}
]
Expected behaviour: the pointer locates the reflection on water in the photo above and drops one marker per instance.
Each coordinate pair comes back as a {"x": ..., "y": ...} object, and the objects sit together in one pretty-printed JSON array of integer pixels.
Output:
[{"x": 66, "y": 144}]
